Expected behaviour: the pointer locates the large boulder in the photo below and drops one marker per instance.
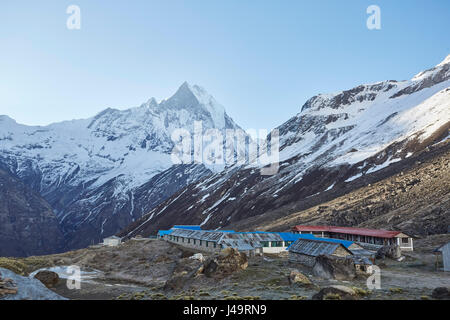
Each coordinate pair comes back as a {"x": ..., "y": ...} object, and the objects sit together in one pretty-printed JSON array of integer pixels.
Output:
[
  {"x": 225, "y": 263},
  {"x": 49, "y": 278},
  {"x": 7, "y": 286},
  {"x": 441, "y": 293},
  {"x": 390, "y": 251},
  {"x": 336, "y": 293},
  {"x": 296, "y": 277},
  {"x": 26, "y": 288},
  {"x": 332, "y": 267}
]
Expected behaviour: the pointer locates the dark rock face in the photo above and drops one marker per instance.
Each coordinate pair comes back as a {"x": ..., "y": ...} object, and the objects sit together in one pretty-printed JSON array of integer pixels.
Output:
[
  {"x": 332, "y": 267},
  {"x": 86, "y": 215},
  {"x": 28, "y": 225},
  {"x": 391, "y": 251},
  {"x": 48, "y": 278},
  {"x": 441, "y": 293},
  {"x": 127, "y": 207},
  {"x": 438, "y": 75}
]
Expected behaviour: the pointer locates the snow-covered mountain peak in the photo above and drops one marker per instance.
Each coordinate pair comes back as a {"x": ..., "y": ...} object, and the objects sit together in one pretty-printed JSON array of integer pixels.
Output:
[
  {"x": 445, "y": 61},
  {"x": 113, "y": 166},
  {"x": 440, "y": 72},
  {"x": 151, "y": 103},
  {"x": 5, "y": 119},
  {"x": 368, "y": 117},
  {"x": 196, "y": 100},
  {"x": 326, "y": 103}
]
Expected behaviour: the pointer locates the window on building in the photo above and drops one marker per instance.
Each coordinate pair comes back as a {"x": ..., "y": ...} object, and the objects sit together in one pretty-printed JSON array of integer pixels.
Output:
[
  {"x": 277, "y": 243},
  {"x": 189, "y": 240},
  {"x": 265, "y": 244},
  {"x": 201, "y": 242},
  {"x": 194, "y": 241},
  {"x": 215, "y": 245},
  {"x": 405, "y": 241},
  {"x": 206, "y": 243},
  {"x": 288, "y": 243}
]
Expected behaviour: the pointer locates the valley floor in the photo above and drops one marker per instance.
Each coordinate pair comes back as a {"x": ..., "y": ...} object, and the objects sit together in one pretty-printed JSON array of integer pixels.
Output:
[{"x": 141, "y": 270}]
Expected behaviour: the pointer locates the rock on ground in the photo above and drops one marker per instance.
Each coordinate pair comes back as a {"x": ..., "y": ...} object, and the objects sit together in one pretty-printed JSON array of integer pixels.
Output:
[
  {"x": 332, "y": 267},
  {"x": 299, "y": 278},
  {"x": 7, "y": 287},
  {"x": 441, "y": 293},
  {"x": 335, "y": 293},
  {"x": 390, "y": 251},
  {"x": 198, "y": 256},
  {"x": 28, "y": 288},
  {"x": 225, "y": 263},
  {"x": 49, "y": 278}
]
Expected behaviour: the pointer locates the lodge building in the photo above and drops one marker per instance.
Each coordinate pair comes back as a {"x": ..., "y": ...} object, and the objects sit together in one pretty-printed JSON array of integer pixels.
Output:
[{"x": 367, "y": 237}]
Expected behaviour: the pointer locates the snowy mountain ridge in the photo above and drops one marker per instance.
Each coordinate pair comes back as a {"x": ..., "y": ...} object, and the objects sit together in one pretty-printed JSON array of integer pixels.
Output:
[{"x": 73, "y": 163}]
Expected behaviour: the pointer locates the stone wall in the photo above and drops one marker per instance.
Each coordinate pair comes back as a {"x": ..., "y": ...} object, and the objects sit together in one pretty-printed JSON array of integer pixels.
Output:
[
  {"x": 341, "y": 252},
  {"x": 302, "y": 259}
]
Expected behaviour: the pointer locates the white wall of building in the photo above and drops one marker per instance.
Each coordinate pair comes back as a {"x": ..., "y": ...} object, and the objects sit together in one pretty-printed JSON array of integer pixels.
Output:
[{"x": 111, "y": 242}]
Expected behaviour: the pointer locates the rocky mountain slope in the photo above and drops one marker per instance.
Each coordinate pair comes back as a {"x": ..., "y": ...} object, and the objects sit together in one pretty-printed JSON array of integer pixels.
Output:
[
  {"x": 101, "y": 174},
  {"x": 330, "y": 148},
  {"x": 414, "y": 198},
  {"x": 27, "y": 222}
]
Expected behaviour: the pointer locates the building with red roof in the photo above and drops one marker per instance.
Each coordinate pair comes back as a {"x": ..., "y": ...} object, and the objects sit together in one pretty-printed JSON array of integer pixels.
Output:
[{"x": 374, "y": 237}]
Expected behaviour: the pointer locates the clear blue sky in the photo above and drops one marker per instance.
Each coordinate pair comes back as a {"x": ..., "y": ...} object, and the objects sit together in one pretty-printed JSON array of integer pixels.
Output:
[{"x": 262, "y": 59}]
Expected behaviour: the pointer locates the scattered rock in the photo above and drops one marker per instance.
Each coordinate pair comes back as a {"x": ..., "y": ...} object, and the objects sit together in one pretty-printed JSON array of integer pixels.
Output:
[
  {"x": 298, "y": 277},
  {"x": 49, "y": 278},
  {"x": 225, "y": 263},
  {"x": 198, "y": 256},
  {"x": 441, "y": 293},
  {"x": 332, "y": 267},
  {"x": 389, "y": 251},
  {"x": 336, "y": 293}
]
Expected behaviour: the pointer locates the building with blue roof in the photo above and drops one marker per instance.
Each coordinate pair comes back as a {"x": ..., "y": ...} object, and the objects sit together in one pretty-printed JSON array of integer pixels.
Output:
[
  {"x": 271, "y": 242},
  {"x": 187, "y": 227},
  {"x": 162, "y": 233}
]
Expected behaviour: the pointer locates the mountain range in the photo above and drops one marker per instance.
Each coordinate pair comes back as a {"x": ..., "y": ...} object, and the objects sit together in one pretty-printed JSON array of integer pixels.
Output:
[
  {"x": 100, "y": 174},
  {"x": 337, "y": 143},
  {"x": 113, "y": 173}
]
